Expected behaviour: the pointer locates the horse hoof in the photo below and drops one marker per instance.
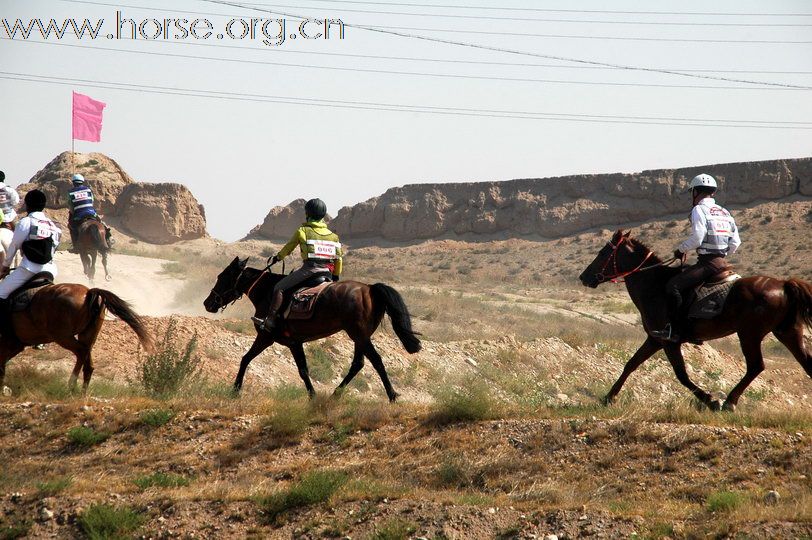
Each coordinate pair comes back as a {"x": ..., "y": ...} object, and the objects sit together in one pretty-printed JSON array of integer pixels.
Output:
[
  {"x": 394, "y": 397},
  {"x": 728, "y": 407},
  {"x": 715, "y": 405},
  {"x": 7, "y": 391},
  {"x": 607, "y": 400}
]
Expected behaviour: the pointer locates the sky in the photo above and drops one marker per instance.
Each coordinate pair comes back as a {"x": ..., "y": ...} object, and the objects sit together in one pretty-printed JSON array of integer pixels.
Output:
[{"x": 248, "y": 125}]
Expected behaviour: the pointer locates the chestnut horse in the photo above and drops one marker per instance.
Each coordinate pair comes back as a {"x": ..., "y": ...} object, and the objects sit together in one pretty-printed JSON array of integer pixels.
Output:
[
  {"x": 754, "y": 307},
  {"x": 91, "y": 240},
  {"x": 70, "y": 315},
  {"x": 351, "y": 306}
]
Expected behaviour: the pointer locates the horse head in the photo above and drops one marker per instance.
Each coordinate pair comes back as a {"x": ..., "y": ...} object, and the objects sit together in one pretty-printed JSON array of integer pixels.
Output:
[
  {"x": 620, "y": 257},
  {"x": 226, "y": 289}
]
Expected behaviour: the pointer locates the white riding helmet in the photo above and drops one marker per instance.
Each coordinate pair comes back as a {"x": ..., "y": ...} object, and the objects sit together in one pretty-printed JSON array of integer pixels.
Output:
[
  {"x": 79, "y": 179},
  {"x": 703, "y": 180}
]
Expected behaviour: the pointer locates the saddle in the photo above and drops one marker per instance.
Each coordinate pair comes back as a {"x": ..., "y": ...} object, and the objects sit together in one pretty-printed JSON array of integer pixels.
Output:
[
  {"x": 709, "y": 297},
  {"x": 303, "y": 299},
  {"x": 20, "y": 299}
]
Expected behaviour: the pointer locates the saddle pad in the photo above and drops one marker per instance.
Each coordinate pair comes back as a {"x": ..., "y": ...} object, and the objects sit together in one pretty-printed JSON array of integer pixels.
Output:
[
  {"x": 710, "y": 299},
  {"x": 21, "y": 298},
  {"x": 302, "y": 302}
]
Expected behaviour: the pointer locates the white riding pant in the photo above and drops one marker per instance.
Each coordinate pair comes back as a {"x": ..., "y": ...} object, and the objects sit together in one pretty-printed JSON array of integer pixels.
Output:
[{"x": 14, "y": 281}]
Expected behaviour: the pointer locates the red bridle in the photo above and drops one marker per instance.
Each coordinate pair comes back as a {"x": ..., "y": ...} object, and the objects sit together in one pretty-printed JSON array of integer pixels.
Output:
[{"x": 618, "y": 275}]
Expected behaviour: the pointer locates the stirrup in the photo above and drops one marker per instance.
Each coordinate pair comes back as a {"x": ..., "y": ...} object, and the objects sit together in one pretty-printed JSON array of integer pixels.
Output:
[
  {"x": 666, "y": 334},
  {"x": 267, "y": 324}
]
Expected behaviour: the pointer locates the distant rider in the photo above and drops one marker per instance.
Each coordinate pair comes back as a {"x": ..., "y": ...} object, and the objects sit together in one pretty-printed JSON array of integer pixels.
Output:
[
  {"x": 81, "y": 203},
  {"x": 37, "y": 237},
  {"x": 714, "y": 235},
  {"x": 321, "y": 252},
  {"x": 9, "y": 199}
]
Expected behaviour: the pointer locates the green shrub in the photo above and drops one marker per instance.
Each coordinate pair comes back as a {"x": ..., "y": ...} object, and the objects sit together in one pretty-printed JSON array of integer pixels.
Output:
[
  {"x": 319, "y": 363},
  {"x": 164, "y": 372},
  {"x": 103, "y": 521},
  {"x": 157, "y": 417},
  {"x": 162, "y": 480},
  {"x": 313, "y": 488},
  {"x": 724, "y": 501},
  {"x": 396, "y": 529},
  {"x": 86, "y": 437},
  {"x": 53, "y": 487},
  {"x": 471, "y": 402},
  {"x": 289, "y": 419},
  {"x": 15, "y": 530}
]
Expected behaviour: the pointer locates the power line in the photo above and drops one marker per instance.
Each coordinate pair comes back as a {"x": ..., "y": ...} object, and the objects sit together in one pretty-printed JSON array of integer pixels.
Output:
[
  {"x": 554, "y": 36},
  {"x": 423, "y": 59},
  {"x": 530, "y": 19},
  {"x": 414, "y": 73},
  {"x": 489, "y": 113},
  {"x": 581, "y": 36},
  {"x": 543, "y": 10},
  {"x": 523, "y": 53}
]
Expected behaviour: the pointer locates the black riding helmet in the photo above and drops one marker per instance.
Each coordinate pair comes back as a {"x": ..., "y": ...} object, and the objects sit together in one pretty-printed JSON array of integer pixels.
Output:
[
  {"x": 2, "y": 176},
  {"x": 35, "y": 201},
  {"x": 315, "y": 209}
]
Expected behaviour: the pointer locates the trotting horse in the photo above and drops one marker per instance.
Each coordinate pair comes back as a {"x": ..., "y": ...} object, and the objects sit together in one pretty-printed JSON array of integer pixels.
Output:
[
  {"x": 754, "y": 307},
  {"x": 351, "y": 306},
  {"x": 70, "y": 315},
  {"x": 91, "y": 240}
]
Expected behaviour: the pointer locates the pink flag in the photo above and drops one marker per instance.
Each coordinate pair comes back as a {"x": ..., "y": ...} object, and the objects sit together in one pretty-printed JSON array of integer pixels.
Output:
[{"x": 87, "y": 118}]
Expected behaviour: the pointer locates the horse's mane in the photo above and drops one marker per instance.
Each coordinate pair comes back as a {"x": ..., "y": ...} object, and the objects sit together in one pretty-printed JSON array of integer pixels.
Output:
[{"x": 639, "y": 245}]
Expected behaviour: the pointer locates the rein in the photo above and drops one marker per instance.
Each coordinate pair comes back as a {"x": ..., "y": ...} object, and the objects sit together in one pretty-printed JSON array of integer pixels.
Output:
[{"x": 618, "y": 276}]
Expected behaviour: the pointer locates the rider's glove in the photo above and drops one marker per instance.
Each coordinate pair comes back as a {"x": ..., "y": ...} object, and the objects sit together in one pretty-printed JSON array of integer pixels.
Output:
[{"x": 335, "y": 277}]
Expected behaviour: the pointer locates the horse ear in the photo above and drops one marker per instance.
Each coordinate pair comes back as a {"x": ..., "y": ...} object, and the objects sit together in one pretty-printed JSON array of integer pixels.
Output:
[
  {"x": 235, "y": 262},
  {"x": 627, "y": 233},
  {"x": 245, "y": 262},
  {"x": 618, "y": 234}
]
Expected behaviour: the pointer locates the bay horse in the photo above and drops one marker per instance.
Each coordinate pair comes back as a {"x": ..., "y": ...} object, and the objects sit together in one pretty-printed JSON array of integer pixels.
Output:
[
  {"x": 71, "y": 315},
  {"x": 755, "y": 306},
  {"x": 91, "y": 241},
  {"x": 351, "y": 306}
]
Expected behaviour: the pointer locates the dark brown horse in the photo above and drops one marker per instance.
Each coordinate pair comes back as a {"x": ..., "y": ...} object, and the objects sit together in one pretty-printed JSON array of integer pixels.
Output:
[
  {"x": 754, "y": 307},
  {"x": 351, "y": 306},
  {"x": 70, "y": 315},
  {"x": 91, "y": 241}
]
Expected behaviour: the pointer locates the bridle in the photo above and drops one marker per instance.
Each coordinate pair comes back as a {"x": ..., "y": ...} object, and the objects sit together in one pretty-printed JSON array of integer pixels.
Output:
[
  {"x": 619, "y": 276},
  {"x": 221, "y": 298}
]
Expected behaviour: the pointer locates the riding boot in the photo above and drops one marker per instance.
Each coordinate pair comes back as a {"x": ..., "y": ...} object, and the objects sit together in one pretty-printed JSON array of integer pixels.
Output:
[
  {"x": 269, "y": 323},
  {"x": 673, "y": 329}
]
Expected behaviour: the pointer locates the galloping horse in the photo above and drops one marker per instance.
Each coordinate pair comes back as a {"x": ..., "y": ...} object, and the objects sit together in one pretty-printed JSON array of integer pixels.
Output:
[
  {"x": 91, "y": 240},
  {"x": 754, "y": 307},
  {"x": 72, "y": 316},
  {"x": 351, "y": 306}
]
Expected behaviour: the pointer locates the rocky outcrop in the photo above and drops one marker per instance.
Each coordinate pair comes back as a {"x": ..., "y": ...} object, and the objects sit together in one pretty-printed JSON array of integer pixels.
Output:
[
  {"x": 552, "y": 207},
  {"x": 159, "y": 213},
  {"x": 281, "y": 221},
  {"x": 104, "y": 176}
]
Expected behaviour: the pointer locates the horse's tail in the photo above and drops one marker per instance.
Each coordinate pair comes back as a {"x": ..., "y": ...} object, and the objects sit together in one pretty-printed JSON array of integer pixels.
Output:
[
  {"x": 102, "y": 298},
  {"x": 394, "y": 305},
  {"x": 98, "y": 240},
  {"x": 800, "y": 293}
]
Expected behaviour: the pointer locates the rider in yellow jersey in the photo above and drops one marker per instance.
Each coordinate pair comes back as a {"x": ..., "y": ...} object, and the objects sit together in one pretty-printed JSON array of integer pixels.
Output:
[{"x": 321, "y": 252}]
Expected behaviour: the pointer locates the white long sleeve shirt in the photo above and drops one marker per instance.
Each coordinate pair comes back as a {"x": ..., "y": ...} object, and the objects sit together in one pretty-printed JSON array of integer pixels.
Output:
[
  {"x": 713, "y": 230},
  {"x": 43, "y": 227}
]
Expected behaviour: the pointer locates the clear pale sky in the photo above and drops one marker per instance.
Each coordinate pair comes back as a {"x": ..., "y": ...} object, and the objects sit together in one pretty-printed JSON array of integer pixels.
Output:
[{"x": 240, "y": 158}]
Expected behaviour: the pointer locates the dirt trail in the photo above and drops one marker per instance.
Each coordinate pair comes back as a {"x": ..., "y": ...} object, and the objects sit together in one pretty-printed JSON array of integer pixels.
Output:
[{"x": 139, "y": 280}]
